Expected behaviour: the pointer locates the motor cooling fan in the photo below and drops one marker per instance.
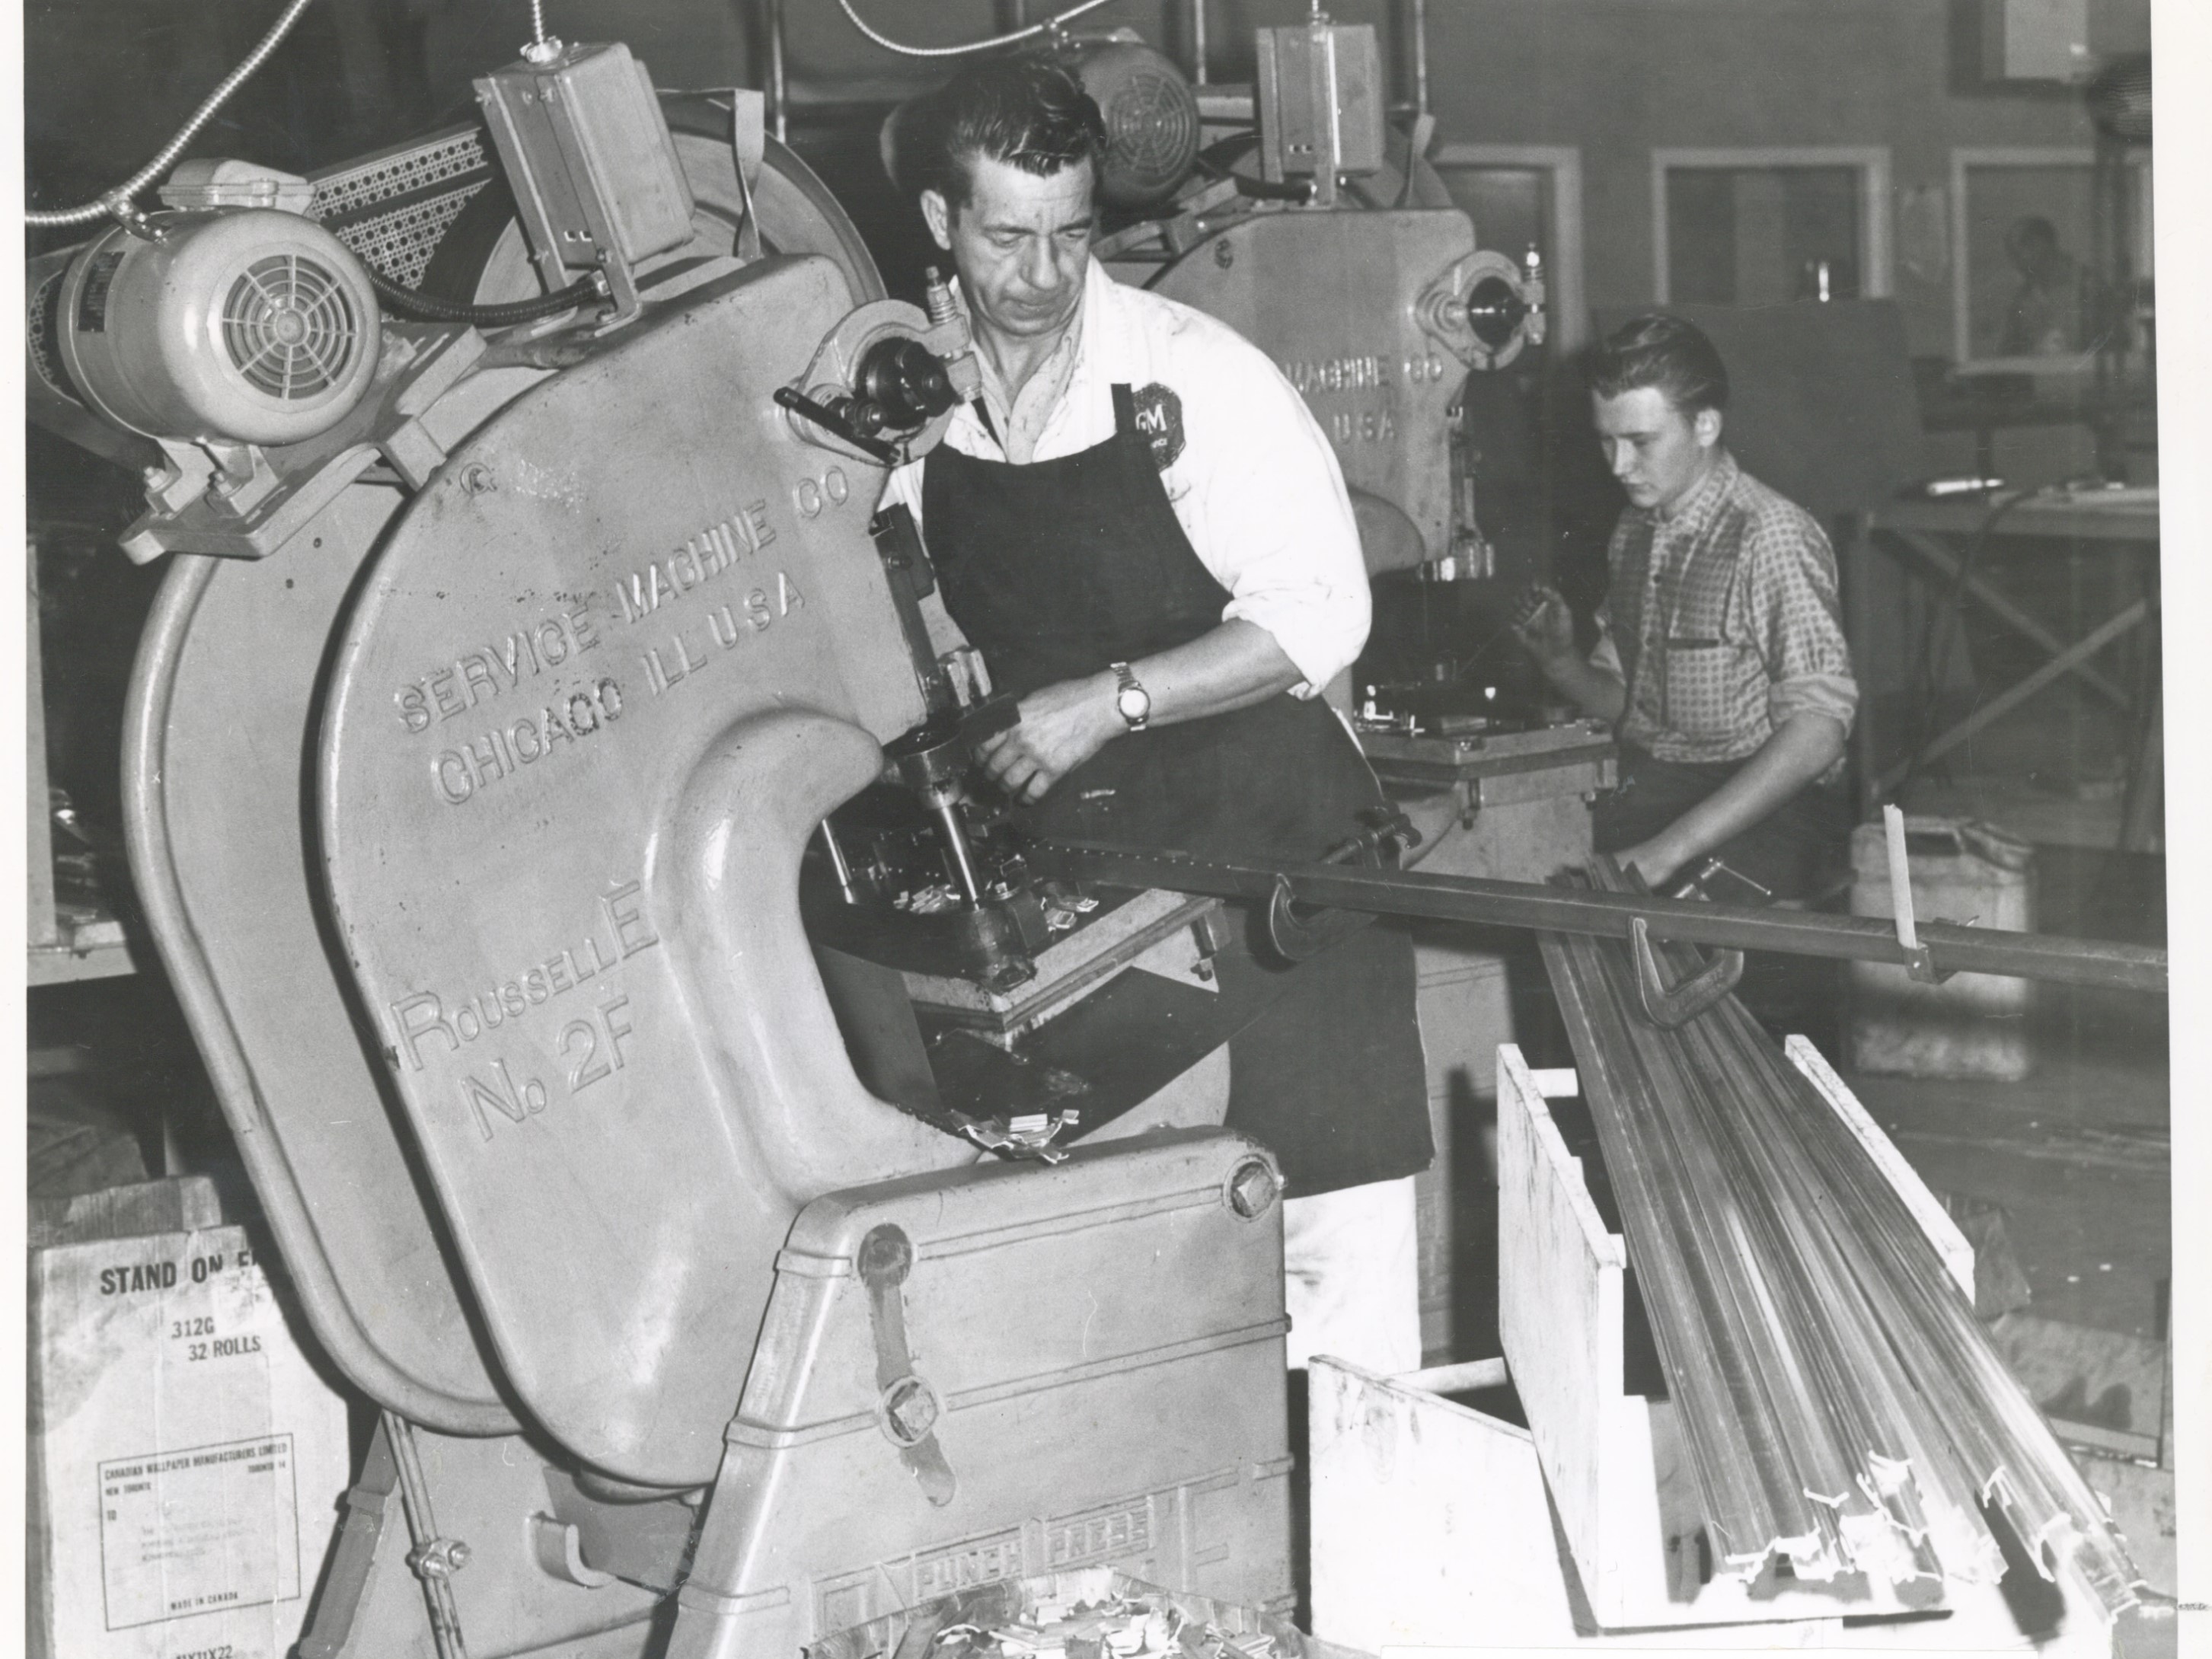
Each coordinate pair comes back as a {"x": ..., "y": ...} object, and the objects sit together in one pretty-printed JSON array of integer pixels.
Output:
[{"x": 290, "y": 328}]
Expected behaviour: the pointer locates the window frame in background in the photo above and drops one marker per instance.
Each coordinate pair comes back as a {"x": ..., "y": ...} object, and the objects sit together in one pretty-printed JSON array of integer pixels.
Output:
[
  {"x": 1965, "y": 160},
  {"x": 1871, "y": 162}
]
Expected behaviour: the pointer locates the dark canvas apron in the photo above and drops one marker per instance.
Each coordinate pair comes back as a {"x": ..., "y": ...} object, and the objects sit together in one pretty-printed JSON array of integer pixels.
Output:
[
  {"x": 1794, "y": 852},
  {"x": 1058, "y": 569}
]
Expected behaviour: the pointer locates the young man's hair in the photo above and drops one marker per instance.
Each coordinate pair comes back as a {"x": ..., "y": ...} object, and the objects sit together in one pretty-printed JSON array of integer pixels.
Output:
[
  {"x": 1663, "y": 352},
  {"x": 1029, "y": 113}
]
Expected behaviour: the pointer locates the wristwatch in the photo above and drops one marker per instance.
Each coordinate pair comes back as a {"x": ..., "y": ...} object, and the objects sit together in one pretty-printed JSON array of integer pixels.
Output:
[{"x": 1132, "y": 702}]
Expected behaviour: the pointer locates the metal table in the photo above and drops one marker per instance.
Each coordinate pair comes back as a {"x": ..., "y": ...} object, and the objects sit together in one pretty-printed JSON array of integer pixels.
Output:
[{"x": 1934, "y": 538}]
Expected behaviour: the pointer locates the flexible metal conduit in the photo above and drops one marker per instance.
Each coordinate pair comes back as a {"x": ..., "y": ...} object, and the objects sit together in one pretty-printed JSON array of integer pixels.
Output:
[
  {"x": 1033, "y": 29},
  {"x": 110, "y": 204}
]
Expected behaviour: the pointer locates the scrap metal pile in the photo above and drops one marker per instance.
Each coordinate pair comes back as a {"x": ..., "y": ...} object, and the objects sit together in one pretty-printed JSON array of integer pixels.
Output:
[
  {"x": 1093, "y": 1613},
  {"x": 1844, "y": 1413}
]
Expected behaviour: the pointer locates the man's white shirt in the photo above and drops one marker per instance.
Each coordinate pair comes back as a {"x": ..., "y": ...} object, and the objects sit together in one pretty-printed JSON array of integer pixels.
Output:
[{"x": 1249, "y": 476}]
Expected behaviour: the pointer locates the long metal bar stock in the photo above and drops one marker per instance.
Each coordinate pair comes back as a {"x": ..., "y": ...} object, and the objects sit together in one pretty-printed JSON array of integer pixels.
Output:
[{"x": 1412, "y": 893}]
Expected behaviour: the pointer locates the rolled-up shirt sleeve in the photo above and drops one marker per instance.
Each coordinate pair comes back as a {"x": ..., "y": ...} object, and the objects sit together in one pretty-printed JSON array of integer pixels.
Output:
[
  {"x": 1791, "y": 590},
  {"x": 1258, "y": 490}
]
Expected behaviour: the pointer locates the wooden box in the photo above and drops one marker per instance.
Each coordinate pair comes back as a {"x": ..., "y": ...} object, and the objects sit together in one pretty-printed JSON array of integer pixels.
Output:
[
  {"x": 1614, "y": 1460},
  {"x": 1435, "y": 1525}
]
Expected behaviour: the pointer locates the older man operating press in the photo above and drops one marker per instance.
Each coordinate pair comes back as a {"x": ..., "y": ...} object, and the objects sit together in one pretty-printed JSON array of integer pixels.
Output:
[{"x": 1142, "y": 530}]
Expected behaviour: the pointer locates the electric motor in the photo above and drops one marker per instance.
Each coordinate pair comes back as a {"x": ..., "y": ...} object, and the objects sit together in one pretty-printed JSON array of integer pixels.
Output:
[
  {"x": 253, "y": 326},
  {"x": 1151, "y": 120}
]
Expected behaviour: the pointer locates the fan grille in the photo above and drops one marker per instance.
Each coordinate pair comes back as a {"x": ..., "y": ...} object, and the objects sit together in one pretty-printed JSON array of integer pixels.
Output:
[
  {"x": 290, "y": 327},
  {"x": 1151, "y": 123}
]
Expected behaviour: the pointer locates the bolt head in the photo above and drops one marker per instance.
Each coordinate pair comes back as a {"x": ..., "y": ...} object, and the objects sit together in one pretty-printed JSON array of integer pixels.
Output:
[
  {"x": 1253, "y": 1189},
  {"x": 910, "y": 1408}
]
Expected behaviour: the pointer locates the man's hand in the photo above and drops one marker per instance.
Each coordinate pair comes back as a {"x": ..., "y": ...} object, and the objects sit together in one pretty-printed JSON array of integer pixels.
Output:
[
  {"x": 1061, "y": 726},
  {"x": 1542, "y": 623},
  {"x": 1655, "y": 859},
  {"x": 1795, "y": 753}
]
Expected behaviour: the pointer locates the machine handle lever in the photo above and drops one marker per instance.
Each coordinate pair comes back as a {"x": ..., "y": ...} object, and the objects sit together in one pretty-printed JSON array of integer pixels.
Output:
[
  {"x": 907, "y": 1408},
  {"x": 835, "y": 424}
]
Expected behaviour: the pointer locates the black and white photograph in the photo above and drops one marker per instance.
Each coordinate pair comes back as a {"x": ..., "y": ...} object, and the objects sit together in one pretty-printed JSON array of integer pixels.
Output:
[{"x": 1112, "y": 829}]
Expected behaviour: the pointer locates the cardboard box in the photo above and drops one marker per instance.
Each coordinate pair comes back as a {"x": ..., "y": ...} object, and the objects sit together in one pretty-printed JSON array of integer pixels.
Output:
[{"x": 187, "y": 1462}]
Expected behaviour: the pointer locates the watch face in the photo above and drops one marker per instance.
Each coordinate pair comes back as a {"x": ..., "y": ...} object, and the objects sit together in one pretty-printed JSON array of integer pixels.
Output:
[{"x": 1134, "y": 702}]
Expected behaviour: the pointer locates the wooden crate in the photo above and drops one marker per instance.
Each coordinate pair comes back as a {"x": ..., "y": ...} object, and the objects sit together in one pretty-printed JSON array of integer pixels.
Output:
[
  {"x": 1430, "y": 1529},
  {"x": 1435, "y": 1525},
  {"x": 1614, "y": 1460}
]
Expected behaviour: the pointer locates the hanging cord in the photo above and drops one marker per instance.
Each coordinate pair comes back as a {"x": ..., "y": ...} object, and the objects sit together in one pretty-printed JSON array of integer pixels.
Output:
[
  {"x": 116, "y": 202},
  {"x": 1050, "y": 24}
]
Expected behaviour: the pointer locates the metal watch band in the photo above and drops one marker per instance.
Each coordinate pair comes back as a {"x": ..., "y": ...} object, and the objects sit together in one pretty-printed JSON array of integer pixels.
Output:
[{"x": 1129, "y": 682}]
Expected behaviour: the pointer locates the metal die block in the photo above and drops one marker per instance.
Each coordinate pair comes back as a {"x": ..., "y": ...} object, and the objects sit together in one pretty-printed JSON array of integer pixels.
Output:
[
  {"x": 1565, "y": 756},
  {"x": 1157, "y": 931}
]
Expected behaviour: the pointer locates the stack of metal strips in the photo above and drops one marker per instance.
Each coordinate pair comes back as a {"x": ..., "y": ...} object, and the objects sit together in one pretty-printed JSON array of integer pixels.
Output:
[{"x": 1843, "y": 1411}]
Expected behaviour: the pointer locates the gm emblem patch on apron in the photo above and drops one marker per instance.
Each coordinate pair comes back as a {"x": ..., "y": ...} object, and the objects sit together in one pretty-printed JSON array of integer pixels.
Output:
[{"x": 1159, "y": 417}]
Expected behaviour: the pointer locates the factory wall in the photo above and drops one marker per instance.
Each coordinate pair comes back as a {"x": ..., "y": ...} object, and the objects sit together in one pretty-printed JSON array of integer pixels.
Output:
[
  {"x": 1613, "y": 78},
  {"x": 1620, "y": 78}
]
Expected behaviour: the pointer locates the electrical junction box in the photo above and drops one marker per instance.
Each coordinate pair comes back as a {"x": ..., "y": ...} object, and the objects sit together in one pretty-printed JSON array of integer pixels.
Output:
[
  {"x": 588, "y": 153},
  {"x": 1321, "y": 103},
  {"x": 2036, "y": 40},
  {"x": 185, "y": 1459}
]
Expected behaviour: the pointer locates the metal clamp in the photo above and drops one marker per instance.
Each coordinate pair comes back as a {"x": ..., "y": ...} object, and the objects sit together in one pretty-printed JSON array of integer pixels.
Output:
[
  {"x": 1919, "y": 965},
  {"x": 1670, "y": 1008},
  {"x": 1296, "y": 937},
  {"x": 1384, "y": 832},
  {"x": 907, "y": 1407},
  {"x": 434, "y": 1559}
]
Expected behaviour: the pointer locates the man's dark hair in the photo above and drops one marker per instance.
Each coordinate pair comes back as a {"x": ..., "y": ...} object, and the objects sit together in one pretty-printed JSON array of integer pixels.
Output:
[
  {"x": 1029, "y": 113},
  {"x": 1665, "y": 352}
]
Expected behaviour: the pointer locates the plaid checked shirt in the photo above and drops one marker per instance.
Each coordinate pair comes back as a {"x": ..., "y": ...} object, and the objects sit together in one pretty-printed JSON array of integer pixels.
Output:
[{"x": 1722, "y": 621}]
